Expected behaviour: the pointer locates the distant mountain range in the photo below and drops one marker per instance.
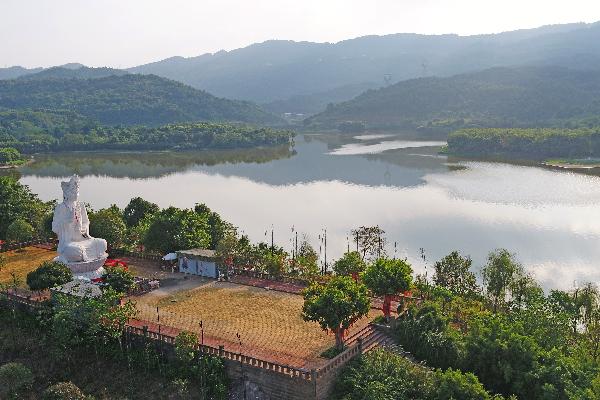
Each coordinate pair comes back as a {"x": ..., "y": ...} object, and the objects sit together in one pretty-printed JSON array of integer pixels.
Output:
[
  {"x": 497, "y": 97},
  {"x": 303, "y": 77},
  {"x": 115, "y": 97}
]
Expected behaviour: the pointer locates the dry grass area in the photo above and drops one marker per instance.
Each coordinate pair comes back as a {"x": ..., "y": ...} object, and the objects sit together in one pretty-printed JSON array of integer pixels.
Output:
[
  {"x": 269, "y": 322},
  {"x": 20, "y": 262}
]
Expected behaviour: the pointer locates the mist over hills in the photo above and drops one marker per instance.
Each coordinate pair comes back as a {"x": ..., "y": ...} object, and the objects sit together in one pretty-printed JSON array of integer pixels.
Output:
[
  {"x": 497, "y": 97},
  {"x": 277, "y": 70},
  {"x": 304, "y": 77},
  {"x": 126, "y": 99}
]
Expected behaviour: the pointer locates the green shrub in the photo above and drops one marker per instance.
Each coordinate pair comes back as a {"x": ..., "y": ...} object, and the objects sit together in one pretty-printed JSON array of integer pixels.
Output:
[
  {"x": 63, "y": 391},
  {"x": 49, "y": 275},
  {"x": 15, "y": 378},
  {"x": 19, "y": 231}
]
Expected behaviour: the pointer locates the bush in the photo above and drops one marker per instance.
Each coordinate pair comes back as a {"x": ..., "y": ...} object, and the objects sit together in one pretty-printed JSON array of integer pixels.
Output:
[
  {"x": 15, "y": 378},
  {"x": 49, "y": 275},
  {"x": 453, "y": 384},
  {"x": 63, "y": 391},
  {"x": 119, "y": 279},
  {"x": 19, "y": 231},
  {"x": 9, "y": 155}
]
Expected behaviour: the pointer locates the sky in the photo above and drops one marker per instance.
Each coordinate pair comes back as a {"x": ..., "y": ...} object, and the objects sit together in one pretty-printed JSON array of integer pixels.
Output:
[{"x": 125, "y": 33}]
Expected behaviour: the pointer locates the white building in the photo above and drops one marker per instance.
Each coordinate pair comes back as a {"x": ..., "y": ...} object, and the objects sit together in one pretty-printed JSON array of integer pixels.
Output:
[{"x": 200, "y": 262}]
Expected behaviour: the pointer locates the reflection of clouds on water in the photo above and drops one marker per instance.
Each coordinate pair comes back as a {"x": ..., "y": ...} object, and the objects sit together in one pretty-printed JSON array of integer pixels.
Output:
[
  {"x": 359, "y": 148},
  {"x": 372, "y": 136},
  {"x": 512, "y": 184}
]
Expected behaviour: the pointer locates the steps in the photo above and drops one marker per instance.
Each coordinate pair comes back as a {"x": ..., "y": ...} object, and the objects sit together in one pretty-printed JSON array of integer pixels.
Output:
[{"x": 373, "y": 337}]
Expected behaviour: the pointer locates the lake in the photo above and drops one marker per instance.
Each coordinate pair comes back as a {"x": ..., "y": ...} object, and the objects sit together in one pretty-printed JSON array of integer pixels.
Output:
[{"x": 550, "y": 219}]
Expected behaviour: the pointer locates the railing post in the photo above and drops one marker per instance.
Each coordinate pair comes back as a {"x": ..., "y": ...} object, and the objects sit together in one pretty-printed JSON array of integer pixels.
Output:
[
  {"x": 221, "y": 351},
  {"x": 360, "y": 345}
]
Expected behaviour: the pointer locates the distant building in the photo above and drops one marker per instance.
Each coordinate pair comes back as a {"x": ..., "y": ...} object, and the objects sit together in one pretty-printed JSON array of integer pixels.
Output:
[{"x": 201, "y": 262}]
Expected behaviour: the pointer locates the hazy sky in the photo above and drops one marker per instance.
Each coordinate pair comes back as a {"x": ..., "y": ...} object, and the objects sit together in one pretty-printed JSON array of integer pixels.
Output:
[{"x": 122, "y": 33}]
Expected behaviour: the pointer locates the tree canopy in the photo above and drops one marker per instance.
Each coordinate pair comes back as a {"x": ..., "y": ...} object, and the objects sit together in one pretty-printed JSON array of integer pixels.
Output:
[{"x": 49, "y": 275}]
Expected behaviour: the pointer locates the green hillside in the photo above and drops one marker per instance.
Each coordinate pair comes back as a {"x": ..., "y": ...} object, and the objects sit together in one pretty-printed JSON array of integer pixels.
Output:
[
  {"x": 498, "y": 97},
  {"x": 74, "y": 73},
  {"x": 40, "y": 131},
  {"x": 128, "y": 99}
]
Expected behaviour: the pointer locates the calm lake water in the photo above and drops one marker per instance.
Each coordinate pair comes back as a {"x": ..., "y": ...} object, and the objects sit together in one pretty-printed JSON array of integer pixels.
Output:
[{"x": 551, "y": 219}]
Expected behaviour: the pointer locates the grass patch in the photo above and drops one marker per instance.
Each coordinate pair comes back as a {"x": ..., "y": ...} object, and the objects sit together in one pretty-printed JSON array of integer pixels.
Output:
[{"x": 21, "y": 262}]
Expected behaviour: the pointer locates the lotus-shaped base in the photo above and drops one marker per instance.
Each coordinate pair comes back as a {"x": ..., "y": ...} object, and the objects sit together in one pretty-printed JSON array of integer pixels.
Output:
[{"x": 91, "y": 269}]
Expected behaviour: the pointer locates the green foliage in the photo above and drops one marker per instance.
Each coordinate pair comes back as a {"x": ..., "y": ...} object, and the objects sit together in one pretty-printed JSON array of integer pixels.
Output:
[
  {"x": 17, "y": 202},
  {"x": 108, "y": 224},
  {"x": 119, "y": 279},
  {"x": 306, "y": 261},
  {"x": 218, "y": 228},
  {"x": 497, "y": 97},
  {"x": 138, "y": 209},
  {"x": 424, "y": 332},
  {"x": 19, "y": 231},
  {"x": 351, "y": 127},
  {"x": 381, "y": 375},
  {"x": 10, "y": 156},
  {"x": 453, "y": 273},
  {"x": 127, "y": 99},
  {"x": 63, "y": 391},
  {"x": 538, "y": 143},
  {"x": 174, "y": 229},
  {"x": 454, "y": 384},
  {"x": 15, "y": 379},
  {"x": 185, "y": 347},
  {"x": 49, "y": 275},
  {"x": 350, "y": 263},
  {"x": 371, "y": 241},
  {"x": 37, "y": 131},
  {"x": 499, "y": 274},
  {"x": 335, "y": 305},
  {"x": 388, "y": 276}
]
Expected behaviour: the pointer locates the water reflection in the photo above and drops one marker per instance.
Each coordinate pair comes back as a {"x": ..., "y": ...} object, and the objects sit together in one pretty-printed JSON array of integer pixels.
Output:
[{"x": 550, "y": 219}]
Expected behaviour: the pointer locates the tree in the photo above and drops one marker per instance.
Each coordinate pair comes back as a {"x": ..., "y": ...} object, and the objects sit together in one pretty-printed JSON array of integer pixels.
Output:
[
  {"x": 15, "y": 379},
  {"x": 387, "y": 277},
  {"x": 218, "y": 227},
  {"x": 63, "y": 391},
  {"x": 48, "y": 275},
  {"x": 454, "y": 384},
  {"x": 119, "y": 279},
  {"x": 370, "y": 241},
  {"x": 137, "y": 209},
  {"x": 336, "y": 305},
  {"x": 174, "y": 229},
  {"x": 19, "y": 231},
  {"x": 307, "y": 259},
  {"x": 108, "y": 224},
  {"x": 226, "y": 252},
  {"x": 9, "y": 155},
  {"x": 453, "y": 273},
  {"x": 17, "y": 202},
  {"x": 185, "y": 347},
  {"x": 499, "y": 274},
  {"x": 351, "y": 263}
]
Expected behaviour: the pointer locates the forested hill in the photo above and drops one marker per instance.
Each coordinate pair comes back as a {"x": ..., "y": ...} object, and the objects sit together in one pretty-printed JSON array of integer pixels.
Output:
[
  {"x": 278, "y": 69},
  {"x": 74, "y": 73},
  {"x": 498, "y": 97},
  {"x": 128, "y": 99}
]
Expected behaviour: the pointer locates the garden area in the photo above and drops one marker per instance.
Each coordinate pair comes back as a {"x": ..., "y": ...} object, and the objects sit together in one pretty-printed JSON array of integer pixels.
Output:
[
  {"x": 17, "y": 264},
  {"x": 269, "y": 322}
]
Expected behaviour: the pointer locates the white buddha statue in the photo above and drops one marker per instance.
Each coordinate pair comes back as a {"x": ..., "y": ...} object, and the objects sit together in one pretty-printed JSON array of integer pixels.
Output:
[{"x": 71, "y": 224}]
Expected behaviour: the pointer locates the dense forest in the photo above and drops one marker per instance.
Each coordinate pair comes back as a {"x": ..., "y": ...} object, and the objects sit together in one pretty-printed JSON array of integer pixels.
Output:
[
  {"x": 38, "y": 131},
  {"x": 537, "y": 143},
  {"x": 126, "y": 99},
  {"x": 499, "y": 97}
]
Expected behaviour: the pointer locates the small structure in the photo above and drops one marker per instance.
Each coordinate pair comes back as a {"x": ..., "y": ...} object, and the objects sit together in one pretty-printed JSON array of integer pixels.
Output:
[
  {"x": 200, "y": 262},
  {"x": 79, "y": 288}
]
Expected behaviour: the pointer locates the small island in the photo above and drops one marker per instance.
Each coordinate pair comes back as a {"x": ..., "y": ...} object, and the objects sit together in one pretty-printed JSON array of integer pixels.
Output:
[
  {"x": 43, "y": 131},
  {"x": 565, "y": 148}
]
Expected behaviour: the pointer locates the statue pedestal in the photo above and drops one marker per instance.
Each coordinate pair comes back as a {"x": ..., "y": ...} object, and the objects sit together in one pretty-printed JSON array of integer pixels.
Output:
[{"x": 87, "y": 270}]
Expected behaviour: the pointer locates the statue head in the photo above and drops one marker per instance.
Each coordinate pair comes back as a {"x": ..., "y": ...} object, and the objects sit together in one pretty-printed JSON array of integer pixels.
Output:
[{"x": 70, "y": 189}]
